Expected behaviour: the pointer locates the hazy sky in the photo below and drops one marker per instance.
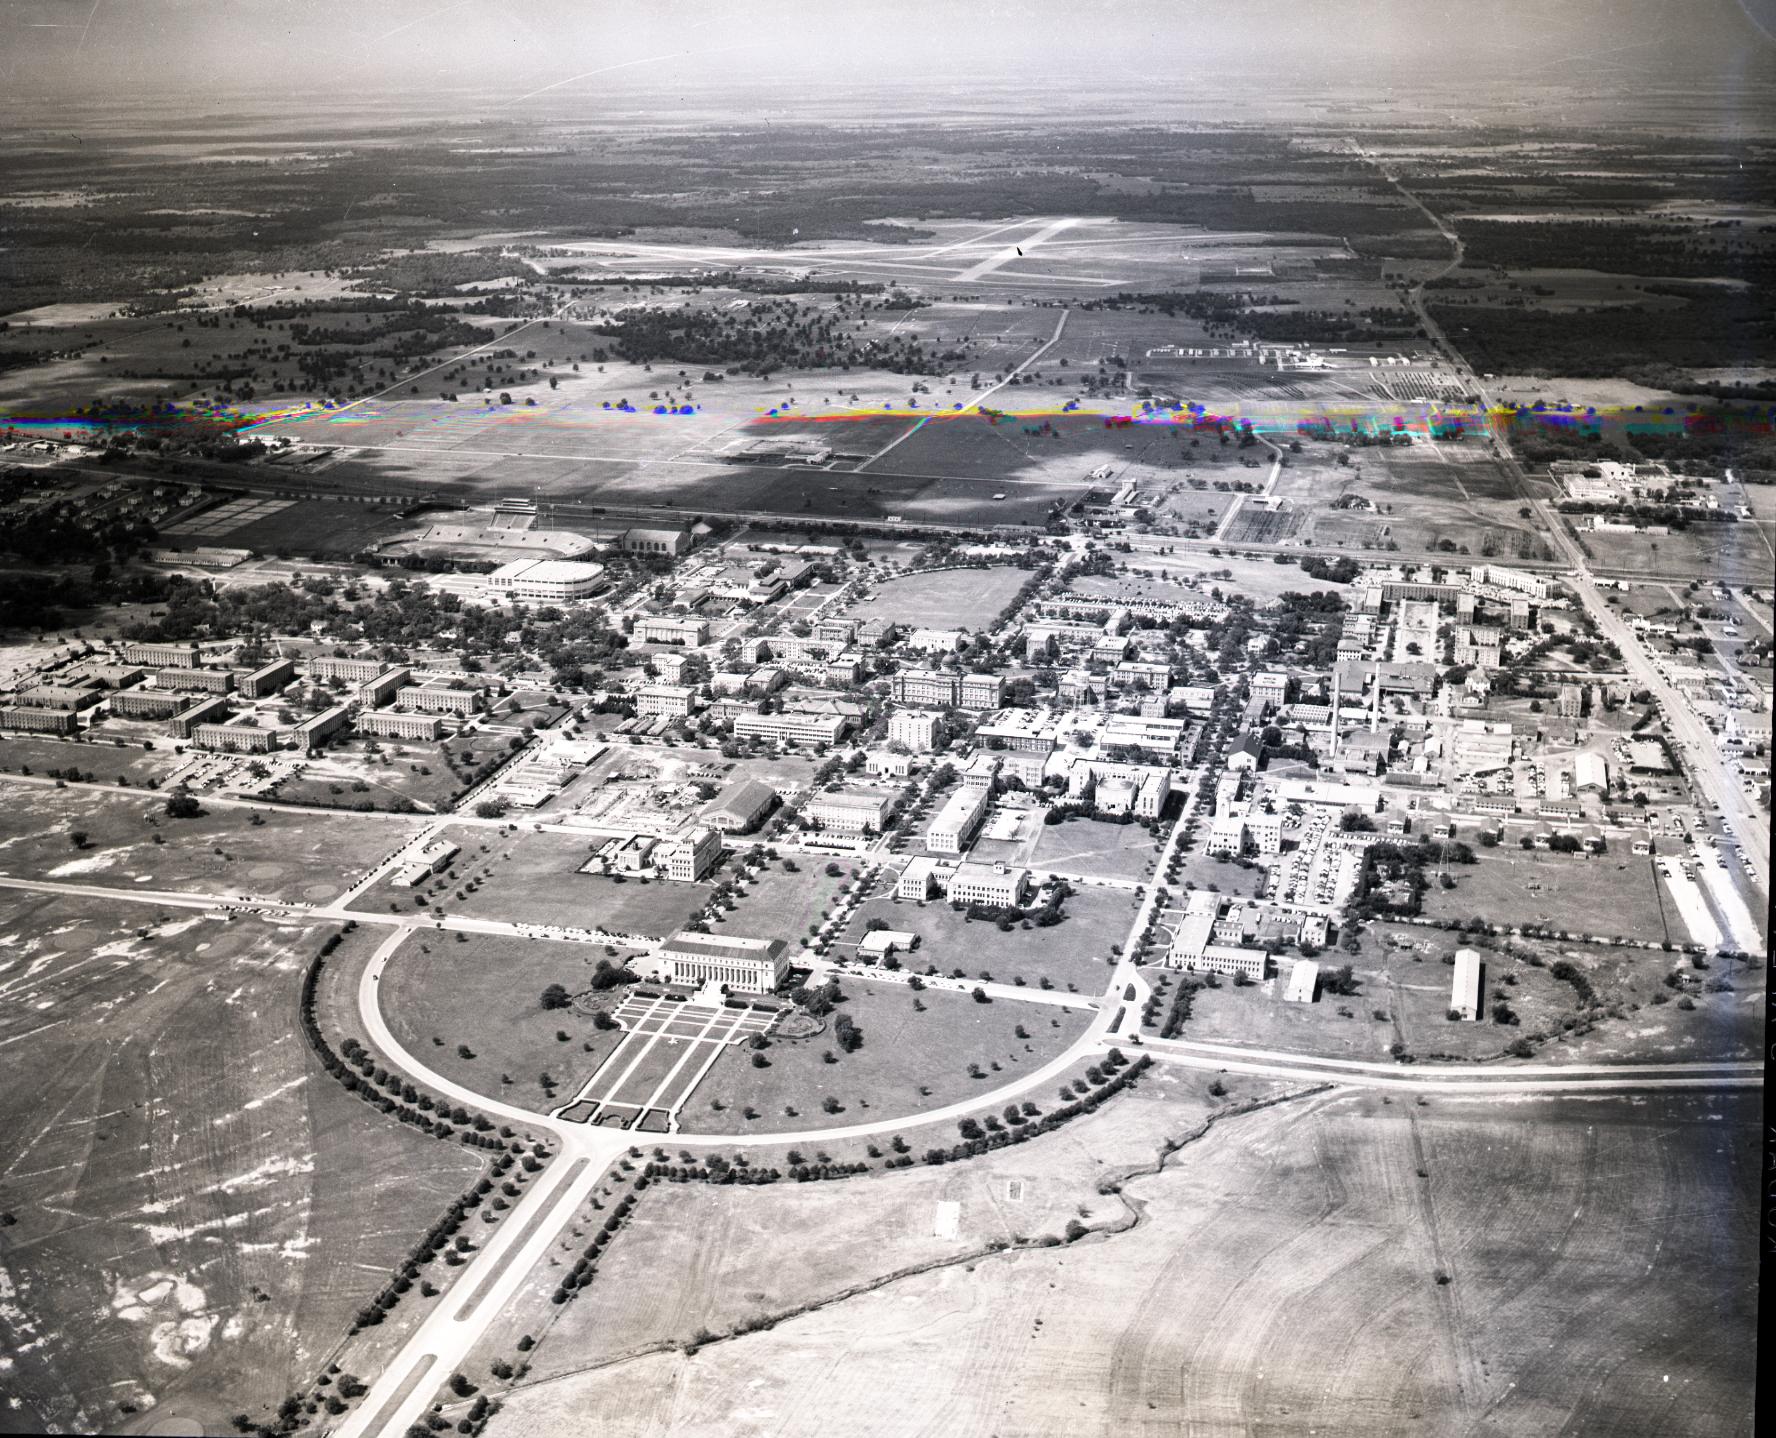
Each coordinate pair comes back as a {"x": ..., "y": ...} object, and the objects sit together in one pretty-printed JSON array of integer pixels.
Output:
[{"x": 586, "y": 49}]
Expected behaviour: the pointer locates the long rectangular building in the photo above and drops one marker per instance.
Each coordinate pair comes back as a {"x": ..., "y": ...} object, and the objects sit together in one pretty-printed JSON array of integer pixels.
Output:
[{"x": 749, "y": 965}]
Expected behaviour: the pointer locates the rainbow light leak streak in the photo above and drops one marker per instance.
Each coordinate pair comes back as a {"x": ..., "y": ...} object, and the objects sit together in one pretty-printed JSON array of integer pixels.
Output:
[{"x": 1432, "y": 421}]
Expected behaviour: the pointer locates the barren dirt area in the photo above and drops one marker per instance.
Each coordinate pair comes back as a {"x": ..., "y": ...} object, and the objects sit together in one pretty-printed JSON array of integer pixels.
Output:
[{"x": 1283, "y": 1276}]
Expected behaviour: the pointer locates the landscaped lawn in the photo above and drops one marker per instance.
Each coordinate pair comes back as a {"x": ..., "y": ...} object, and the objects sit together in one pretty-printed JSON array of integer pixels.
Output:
[
  {"x": 910, "y": 1040},
  {"x": 486, "y": 993},
  {"x": 1070, "y": 955}
]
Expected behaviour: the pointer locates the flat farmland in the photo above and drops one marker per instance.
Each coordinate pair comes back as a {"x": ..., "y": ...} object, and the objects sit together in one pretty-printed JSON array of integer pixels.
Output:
[
  {"x": 905, "y": 1048},
  {"x": 1070, "y": 954},
  {"x": 943, "y": 599},
  {"x": 1284, "y": 1276},
  {"x": 440, "y": 995},
  {"x": 200, "y": 1209},
  {"x": 1042, "y": 447},
  {"x": 292, "y": 857},
  {"x": 527, "y": 877}
]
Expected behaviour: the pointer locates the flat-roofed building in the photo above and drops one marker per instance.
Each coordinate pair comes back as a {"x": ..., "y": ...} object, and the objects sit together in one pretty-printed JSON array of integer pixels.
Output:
[
  {"x": 146, "y": 704},
  {"x": 1464, "y": 993},
  {"x": 196, "y": 680},
  {"x": 915, "y": 729},
  {"x": 957, "y": 821},
  {"x": 39, "y": 721},
  {"x": 1232, "y": 960},
  {"x": 392, "y": 724},
  {"x": 72, "y": 697},
  {"x": 878, "y": 944},
  {"x": 919, "y": 878},
  {"x": 1304, "y": 982},
  {"x": 438, "y": 699},
  {"x": 849, "y": 812},
  {"x": 1023, "y": 731},
  {"x": 994, "y": 884},
  {"x": 234, "y": 738},
  {"x": 980, "y": 691},
  {"x": 1271, "y": 687},
  {"x": 547, "y": 581},
  {"x": 747, "y": 965},
  {"x": 378, "y": 691},
  {"x": 352, "y": 671},
  {"x": 268, "y": 679},
  {"x": 312, "y": 733},
  {"x": 925, "y": 686},
  {"x": 667, "y": 629},
  {"x": 740, "y": 807},
  {"x": 885, "y": 763},
  {"x": 206, "y": 711},
  {"x": 688, "y": 859},
  {"x": 655, "y": 700},
  {"x": 181, "y": 656},
  {"x": 1191, "y": 937},
  {"x": 792, "y": 728},
  {"x": 1569, "y": 701}
]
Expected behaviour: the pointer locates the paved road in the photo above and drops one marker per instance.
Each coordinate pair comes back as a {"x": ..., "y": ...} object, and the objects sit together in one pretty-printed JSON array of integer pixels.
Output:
[{"x": 1514, "y": 1081}]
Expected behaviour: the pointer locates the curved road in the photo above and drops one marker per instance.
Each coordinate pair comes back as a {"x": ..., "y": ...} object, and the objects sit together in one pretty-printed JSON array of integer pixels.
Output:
[{"x": 446, "y": 1337}]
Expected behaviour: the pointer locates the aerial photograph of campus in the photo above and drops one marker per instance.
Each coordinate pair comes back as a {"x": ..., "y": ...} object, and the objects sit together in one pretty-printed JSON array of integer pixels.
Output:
[{"x": 886, "y": 720}]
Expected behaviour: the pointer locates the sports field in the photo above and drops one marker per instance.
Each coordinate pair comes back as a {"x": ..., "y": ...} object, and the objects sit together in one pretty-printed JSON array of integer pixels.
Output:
[{"x": 943, "y": 599}]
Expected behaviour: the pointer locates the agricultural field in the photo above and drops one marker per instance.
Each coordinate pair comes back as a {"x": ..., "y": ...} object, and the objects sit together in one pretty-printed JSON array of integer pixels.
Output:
[
  {"x": 308, "y": 858},
  {"x": 199, "y": 1209},
  {"x": 942, "y": 599},
  {"x": 917, "y": 1053},
  {"x": 1285, "y": 1271}
]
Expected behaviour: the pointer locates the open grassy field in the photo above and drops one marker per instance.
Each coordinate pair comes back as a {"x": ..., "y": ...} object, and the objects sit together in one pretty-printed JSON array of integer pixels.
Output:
[
  {"x": 305, "y": 857},
  {"x": 1070, "y": 954},
  {"x": 1094, "y": 849},
  {"x": 486, "y": 994},
  {"x": 532, "y": 878},
  {"x": 777, "y": 902},
  {"x": 1719, "y": 553},
  {"x": 1282, "y": 1275},
  {"x": 905, "y": 1049},
  {"x": 200, "y": 1209},
  {"x": 106, "y": 761},
  {"x": 944, "y": 599},
  {"x": 1611, "y": 895}
]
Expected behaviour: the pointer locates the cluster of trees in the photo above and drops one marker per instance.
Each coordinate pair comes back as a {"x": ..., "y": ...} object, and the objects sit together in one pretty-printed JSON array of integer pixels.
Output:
[
  {"x": 585, "y": 1266},
  {"x": 765, "y": 337},
  {"x": 1102, "y": 1082}
]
